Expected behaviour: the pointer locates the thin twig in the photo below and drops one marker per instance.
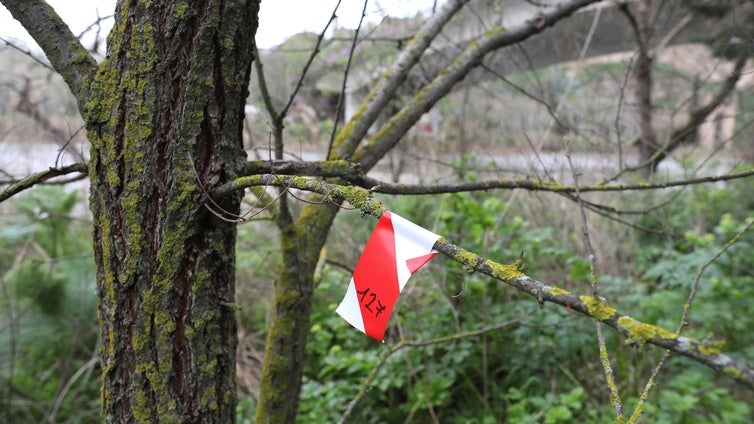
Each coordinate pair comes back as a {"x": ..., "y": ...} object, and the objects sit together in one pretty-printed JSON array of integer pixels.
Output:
[
  {"x": 59, "y": 399},
  {"x": 639, "y": 409},
  {"x": 341, "y": 98},
  {"x": 638, "y": 412},
  {"x": 26, "y": 52},
  {"x": 604, "y": 356},
  {"x": 40, "y": 177},
  {"x": 309, "y": 62},
  {"x": 569, "y": 85},
  {"x": 695, "y": 285}
]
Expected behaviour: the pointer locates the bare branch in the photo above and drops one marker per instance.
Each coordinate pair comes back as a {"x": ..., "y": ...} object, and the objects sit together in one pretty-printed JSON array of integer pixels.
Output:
[
  {"x": 695, "y": 284},
  {"x": 353, "y": 173},
  {"x": 538, "y": 185},
  {"x": 398, "y": 41},
  {"x": 263, "y": 89},
  {"x": 331, "y": 168},
  {"x": 367, "y": 383},
  {"x": 342, "y": 96},
  {"x": 26, "y": 52},
  {"x": 699, "y": 115},
  {"x": 309, "y": 62},
  {"x": 31, "y": 109}
]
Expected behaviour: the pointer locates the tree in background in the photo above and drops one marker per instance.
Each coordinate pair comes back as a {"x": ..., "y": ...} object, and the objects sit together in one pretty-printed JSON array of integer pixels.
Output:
[
  {"x": 164, "y": 113},
  {"x": 647, "y": 19}
]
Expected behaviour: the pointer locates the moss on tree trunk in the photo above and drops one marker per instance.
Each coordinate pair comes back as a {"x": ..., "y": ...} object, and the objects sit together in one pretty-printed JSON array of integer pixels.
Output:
[
  {"x": 285, "y": 349},
  {"x": 164, "y": 117}
]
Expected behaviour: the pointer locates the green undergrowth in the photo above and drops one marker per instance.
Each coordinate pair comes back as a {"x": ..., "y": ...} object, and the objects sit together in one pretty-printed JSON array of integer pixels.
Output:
[
  {"x": 48, "y": 336},
  {"x": 544, "y": 366}
]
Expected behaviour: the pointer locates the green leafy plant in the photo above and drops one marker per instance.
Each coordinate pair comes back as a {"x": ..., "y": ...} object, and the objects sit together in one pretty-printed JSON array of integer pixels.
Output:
[{"x": 48, "y": 348}]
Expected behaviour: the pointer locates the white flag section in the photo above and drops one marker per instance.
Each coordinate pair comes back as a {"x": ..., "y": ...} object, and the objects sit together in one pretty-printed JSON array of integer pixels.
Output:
[{"x": 394, "y": 251}]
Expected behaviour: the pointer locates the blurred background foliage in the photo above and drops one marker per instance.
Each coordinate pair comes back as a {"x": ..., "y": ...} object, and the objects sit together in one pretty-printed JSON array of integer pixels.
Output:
[{"x": 48, "y": 326}]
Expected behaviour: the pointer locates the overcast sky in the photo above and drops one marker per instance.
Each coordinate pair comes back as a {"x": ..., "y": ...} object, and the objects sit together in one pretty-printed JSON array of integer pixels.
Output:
[{"x": 279, "y": 19}]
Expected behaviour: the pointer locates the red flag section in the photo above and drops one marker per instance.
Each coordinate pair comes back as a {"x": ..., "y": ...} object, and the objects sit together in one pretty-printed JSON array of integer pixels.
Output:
[
  {"x": 376, "y": 279},
  {"x": 395, "y": 250},
  {"x": 416, "y": 263}
]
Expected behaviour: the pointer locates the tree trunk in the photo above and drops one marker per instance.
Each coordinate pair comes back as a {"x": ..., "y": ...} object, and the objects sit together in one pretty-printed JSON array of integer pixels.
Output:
[
  {"x": 648, "y": 145},
  {"x": 285, "y": 349},
  {"x": 165, "y": 117}
]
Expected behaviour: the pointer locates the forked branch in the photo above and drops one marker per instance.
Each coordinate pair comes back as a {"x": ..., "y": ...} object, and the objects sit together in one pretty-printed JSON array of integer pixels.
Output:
[{"x": 63, "y": 49}]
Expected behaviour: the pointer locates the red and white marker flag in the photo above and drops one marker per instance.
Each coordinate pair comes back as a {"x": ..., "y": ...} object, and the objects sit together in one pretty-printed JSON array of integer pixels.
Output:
[{"x": 394, "y": 251}]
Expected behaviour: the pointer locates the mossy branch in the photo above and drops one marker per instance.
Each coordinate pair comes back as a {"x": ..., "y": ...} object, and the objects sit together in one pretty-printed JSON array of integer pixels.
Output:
[
  {"x": 354, "y": 174},
  {"x": 40, "y": 177},
  {"x": 472, "y": 55},
  {"x": 384, "y": 90},
  {"x": 63, "y": 49},
  {"x": 333, "y": 168},
  {"x": 539, "y": 185},
  {"x": 357, "y": 197},
  {"x": 640, "y": 333}
]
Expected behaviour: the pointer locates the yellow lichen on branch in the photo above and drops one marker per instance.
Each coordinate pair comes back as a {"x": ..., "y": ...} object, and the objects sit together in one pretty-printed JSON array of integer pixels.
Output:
[
  {"x": 640, "y": 332},
  {"x": 598, "y": 308}
]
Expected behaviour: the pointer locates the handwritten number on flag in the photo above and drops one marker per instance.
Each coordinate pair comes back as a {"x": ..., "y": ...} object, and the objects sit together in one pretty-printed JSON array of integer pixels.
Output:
[{"x": 363, "y": 294}]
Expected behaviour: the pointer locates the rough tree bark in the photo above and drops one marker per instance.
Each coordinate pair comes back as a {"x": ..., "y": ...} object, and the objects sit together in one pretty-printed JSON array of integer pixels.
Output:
[
  {"x": 165, "y": 123},
  {"x": 164, "y": 115}
]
